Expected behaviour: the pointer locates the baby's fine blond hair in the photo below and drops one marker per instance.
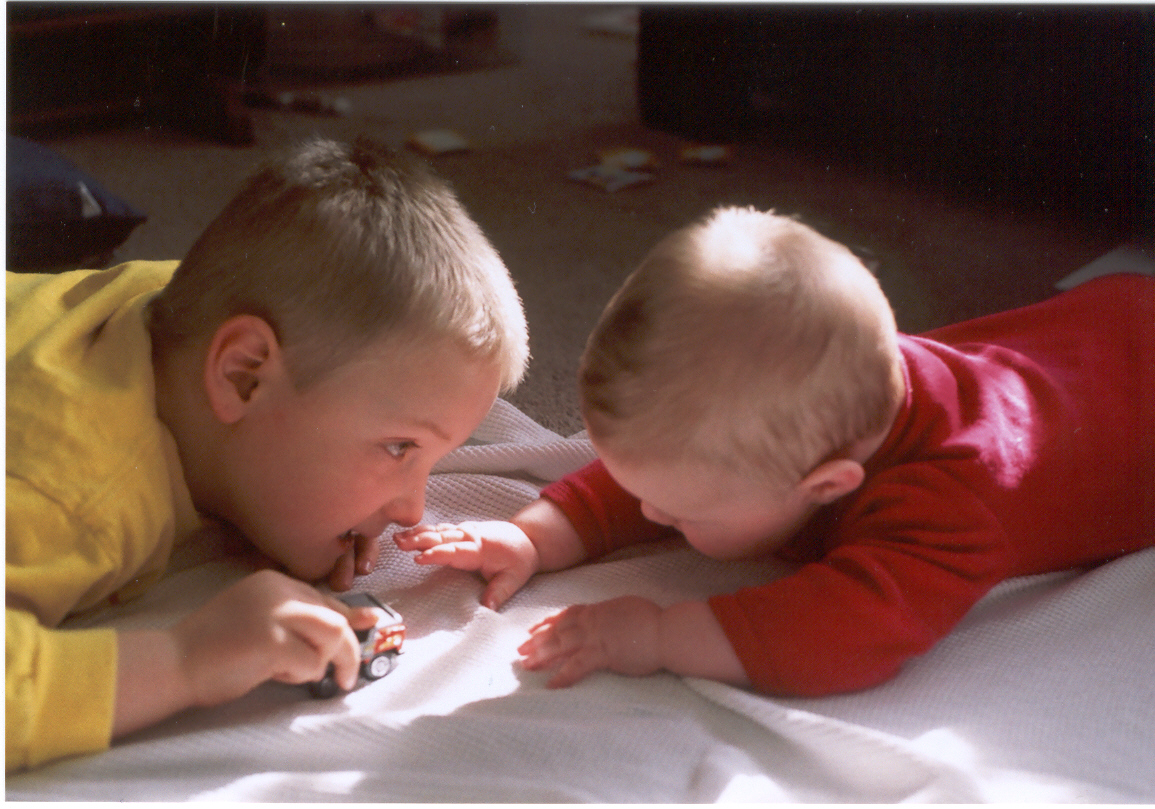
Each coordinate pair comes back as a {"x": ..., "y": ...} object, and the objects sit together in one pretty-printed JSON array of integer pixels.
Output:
[
  {"x": 338, "y": 245},
  {"x": 747, "y": 341}
]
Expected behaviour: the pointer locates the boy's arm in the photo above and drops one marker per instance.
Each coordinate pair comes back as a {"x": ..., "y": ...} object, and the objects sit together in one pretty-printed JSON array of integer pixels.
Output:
[
  {"x": 69, "y": 691},
  {"x": 267, "y": 626},
  {"x": 59, "y": 689},
  {"x": 632, "y": 636},
  {"x": 149, "y": 683}
]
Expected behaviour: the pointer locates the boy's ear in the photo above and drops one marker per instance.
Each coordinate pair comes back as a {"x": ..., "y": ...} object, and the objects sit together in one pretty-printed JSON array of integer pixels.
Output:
[
  {"x": 243, "y": 356},
  {"x": 832, "y": 479}
]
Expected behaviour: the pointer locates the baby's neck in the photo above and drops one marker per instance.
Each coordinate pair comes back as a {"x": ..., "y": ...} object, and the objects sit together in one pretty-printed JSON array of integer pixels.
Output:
[{"x": 864, "y": 449}]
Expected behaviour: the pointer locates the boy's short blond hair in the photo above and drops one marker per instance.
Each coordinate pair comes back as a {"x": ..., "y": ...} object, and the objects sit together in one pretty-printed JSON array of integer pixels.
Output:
[
  {"x": 338, "y": 245},
  {"x": 747, "y": 341}
]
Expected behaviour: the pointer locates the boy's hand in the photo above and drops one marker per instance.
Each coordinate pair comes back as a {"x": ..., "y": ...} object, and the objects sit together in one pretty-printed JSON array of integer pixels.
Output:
[
  {"x": 500, "y": 551},
  {"x": 359, "y": 559},
  {"x": 621, "y": 635},
  {"x": 268, "y": 627}
]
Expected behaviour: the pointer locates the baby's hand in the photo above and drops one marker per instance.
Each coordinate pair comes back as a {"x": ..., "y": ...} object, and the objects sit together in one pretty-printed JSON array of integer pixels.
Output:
[
  {"x": 499, "y": 551},
  {"x": 621, "y": 635},
  {"x": 268, "y": 626}
]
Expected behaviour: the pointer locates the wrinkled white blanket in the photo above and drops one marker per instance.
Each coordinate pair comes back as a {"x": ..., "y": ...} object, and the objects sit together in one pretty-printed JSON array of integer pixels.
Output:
[{"x": 1045, "y": 692}]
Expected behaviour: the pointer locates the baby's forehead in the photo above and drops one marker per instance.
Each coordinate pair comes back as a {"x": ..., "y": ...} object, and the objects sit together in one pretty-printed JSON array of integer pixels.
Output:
[{"x": 701, "y": 477}]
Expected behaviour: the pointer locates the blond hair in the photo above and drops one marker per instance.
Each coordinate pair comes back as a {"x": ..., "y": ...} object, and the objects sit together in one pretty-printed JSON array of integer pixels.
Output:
[
  {"x": 746, "y": 341},
  {"x": 338, "y": 245}
]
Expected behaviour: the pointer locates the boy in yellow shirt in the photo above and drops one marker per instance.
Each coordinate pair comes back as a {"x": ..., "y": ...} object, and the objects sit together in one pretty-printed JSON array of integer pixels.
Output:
[{"x": 337, "y": 329}]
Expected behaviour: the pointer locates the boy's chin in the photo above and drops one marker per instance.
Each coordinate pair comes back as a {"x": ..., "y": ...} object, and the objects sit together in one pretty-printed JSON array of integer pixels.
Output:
[
  {"x": 312, "y": 574},
  {"x": 315, "y": 573}
]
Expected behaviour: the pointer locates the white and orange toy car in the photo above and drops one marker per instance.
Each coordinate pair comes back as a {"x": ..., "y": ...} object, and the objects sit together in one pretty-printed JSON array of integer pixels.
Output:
[{"x": 380, "y": 645}]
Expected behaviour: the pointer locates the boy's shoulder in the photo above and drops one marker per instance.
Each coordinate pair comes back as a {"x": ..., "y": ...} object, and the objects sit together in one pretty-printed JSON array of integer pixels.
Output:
[
  {"x": 38, "y": 303},
  {"x": 79, "y": 364},
  {"x": 84, "y": 446}
]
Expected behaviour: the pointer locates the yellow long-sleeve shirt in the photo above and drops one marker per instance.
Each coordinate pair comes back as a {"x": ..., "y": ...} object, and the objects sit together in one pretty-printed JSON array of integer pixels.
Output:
[{"x": 95, "y": 496}]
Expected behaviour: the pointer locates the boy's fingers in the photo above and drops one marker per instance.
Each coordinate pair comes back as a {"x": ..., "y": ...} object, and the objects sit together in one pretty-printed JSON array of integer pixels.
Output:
[
  {"x": 352, "y": 615},
  {"x": 365, "y": 553},
  {"x": 340, "y": 578},
  {"x": 364, "y": 617},
  {"x": 322, "y": 636}
]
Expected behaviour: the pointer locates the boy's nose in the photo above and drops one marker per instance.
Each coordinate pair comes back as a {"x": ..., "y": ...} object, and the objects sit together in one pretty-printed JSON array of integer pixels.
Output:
[
  {"x": 407, "y": 509},
  {"x": 403, "y": 510}
]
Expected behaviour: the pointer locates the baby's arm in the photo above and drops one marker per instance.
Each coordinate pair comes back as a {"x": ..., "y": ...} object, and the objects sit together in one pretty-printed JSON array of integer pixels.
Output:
[
  {"x": 538, "y": 538},
  {"x": 632, "y": 636},
  {"x": 265, "y": 627}
]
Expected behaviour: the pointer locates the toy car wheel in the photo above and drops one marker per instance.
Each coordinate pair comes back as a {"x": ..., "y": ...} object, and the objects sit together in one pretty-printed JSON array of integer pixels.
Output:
[
  {"x": 379, "y": 666},
  {"x": 326, "y": 687}
]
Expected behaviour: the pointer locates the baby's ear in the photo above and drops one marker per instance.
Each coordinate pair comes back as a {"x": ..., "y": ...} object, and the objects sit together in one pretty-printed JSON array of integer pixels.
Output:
[
  {"x": 832, "y": 480},
  {"x": 242, "y": 356}
]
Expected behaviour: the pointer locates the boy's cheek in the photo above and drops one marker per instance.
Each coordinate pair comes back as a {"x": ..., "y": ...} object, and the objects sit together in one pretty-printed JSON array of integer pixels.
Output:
[{"x": 307, "y": 564}]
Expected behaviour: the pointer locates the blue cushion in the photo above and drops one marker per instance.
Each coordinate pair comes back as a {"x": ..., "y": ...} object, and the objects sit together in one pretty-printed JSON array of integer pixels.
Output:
[{"x": 59, "y": 216}]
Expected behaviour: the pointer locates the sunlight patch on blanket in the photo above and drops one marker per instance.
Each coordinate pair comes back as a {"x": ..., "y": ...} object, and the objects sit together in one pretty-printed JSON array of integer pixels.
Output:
[{"x": 287, "y": 785}]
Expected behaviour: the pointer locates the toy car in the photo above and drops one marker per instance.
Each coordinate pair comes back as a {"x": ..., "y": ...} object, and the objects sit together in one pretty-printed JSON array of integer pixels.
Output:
[{"x": 380, "y": 645}]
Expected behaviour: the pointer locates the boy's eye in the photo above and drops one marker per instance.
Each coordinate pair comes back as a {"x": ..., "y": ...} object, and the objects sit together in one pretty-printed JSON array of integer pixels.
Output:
[{"x": 398, "y": 449}]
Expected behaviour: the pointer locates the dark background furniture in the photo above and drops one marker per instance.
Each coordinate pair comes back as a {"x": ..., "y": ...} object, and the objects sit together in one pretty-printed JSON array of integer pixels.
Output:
[
  {"x": 179, "y": 64},
  {"x": 1050, "y": 106}
]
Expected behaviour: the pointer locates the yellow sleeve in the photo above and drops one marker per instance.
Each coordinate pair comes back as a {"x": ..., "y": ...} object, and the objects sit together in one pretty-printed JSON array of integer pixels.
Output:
[{"x": 59, "y": 690}]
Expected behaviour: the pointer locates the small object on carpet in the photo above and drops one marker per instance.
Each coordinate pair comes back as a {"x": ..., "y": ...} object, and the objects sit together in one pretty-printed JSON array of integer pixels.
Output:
[{"x": 433, "y": 142}]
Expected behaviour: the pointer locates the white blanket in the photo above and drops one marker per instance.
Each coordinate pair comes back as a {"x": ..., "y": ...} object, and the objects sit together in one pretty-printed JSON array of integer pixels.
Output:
[{"x": 1045, "y": 692}]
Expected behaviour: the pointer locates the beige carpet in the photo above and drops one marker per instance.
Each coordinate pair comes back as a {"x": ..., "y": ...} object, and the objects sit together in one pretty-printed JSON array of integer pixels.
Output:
[{"x": 569, "y": 94}]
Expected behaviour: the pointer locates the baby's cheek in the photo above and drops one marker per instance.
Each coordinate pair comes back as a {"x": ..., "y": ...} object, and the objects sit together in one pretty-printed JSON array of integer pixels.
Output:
[
  {"x": 706, "y": 544},
  {"x": 723, "y": 547}
]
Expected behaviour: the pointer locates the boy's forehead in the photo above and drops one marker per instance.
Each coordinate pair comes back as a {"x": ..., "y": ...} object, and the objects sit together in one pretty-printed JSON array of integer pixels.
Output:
[
  {"x": 428, "y": 386},
  {"x": 426, "y": 425}
]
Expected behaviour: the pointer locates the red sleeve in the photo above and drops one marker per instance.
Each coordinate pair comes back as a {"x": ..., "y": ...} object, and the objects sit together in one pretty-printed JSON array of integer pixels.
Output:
[
  {"x": 921, "y": 551},
  {"x": 606, "y": 516}
]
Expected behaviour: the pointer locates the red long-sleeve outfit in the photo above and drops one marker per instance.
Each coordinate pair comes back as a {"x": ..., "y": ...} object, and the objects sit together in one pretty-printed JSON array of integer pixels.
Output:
[{"x": 1026, "y": 444}]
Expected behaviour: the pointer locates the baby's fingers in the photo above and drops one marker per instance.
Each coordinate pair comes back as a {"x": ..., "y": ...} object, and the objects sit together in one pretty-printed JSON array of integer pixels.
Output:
[
  {"x": 424, "y": 537},
  {"x": 464, "y": 555},
  {"x": 559, "y": 642},
  {"x": 576, "y": 667},
  {"x": 549, "y": 641},
  {"x": 502, "y": 587}
]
